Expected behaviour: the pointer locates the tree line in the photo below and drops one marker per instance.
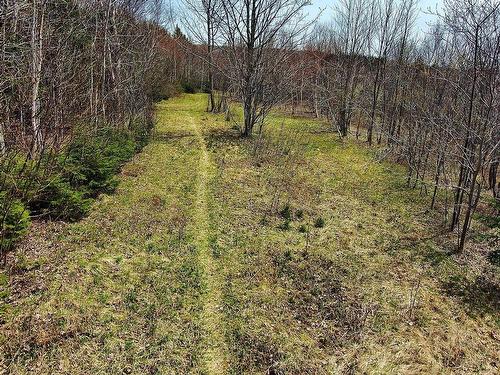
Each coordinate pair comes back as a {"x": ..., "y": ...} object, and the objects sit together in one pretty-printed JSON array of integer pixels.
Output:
[{"x": 432, "y": 101}]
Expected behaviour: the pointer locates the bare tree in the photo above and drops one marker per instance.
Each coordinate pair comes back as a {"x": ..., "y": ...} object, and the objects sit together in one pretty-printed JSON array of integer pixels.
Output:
[
  {"x": 476, "y": 28},
  {"x": 259, "y": 37},
  {"x": 353, "y": 27},
  {"x": 203, "y": 20},
  {"x": 37, "y": 27}
]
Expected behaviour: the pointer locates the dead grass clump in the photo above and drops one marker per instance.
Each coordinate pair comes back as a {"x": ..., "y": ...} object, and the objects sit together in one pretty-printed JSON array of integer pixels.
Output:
[
  {"x": 319, "y": 299},
  {"x": 256, "y": 351},
  {"x": 157, "y": 202},
  {"x": 38, "y": 332},
  {"x": 132, "y": 170},
  {"x": 275, "y": 150}
]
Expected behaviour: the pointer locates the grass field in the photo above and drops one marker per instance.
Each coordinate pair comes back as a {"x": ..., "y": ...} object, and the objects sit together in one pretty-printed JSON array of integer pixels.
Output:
[{"x": 291, "y": 253}]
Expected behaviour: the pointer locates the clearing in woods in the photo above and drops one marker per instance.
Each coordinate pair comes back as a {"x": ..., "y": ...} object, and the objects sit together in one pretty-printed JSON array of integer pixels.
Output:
[{"x": 293, "y": 253}]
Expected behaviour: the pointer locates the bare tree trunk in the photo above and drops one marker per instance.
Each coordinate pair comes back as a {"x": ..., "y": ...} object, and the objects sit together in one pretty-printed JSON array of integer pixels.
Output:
[
  {"x": 492, "y": 179},
  {"x": 472, "y": 200},
  {"x": 439, "y": 167},
  {"x": 210, "y": 47},
  {"x": 375, "y": 94},
  {"x": 37, "y": 56},
  {"x": 462, "y": 180},
  {"x": 4, "y": 45}
]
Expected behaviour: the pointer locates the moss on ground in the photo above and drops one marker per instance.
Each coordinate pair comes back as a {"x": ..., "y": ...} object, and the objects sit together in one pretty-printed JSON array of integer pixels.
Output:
[{"x": 326, "y": 263}]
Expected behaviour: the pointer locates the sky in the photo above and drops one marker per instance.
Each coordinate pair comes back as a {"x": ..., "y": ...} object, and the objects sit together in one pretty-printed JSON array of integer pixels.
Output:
[
  {"x": 421, "y": 24},
  {"x": 422, "y": 20}
]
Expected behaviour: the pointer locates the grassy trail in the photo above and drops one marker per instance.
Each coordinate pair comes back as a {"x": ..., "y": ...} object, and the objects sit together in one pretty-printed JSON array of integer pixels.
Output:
[
  {"x": 132, "y": 288},
  {"x": 215, "y": 352},
  {"x": 294, "y": 254}
]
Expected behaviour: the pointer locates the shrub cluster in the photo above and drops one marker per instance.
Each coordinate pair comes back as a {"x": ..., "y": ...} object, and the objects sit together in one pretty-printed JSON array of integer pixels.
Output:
[
  {"x": 188, "y": 87},
  {"x": 15, "y": 223},
  {"x": 62, "y": 185}
]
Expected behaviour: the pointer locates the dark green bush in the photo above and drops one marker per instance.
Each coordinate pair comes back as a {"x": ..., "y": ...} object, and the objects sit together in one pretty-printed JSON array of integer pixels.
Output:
[
  {"x": 58, "y": 199},
  {"x": 299, "y": 214},
  {"x": 93, "y": 163},
  {"x": 15, "y": 223},
  {"x": 494, "y": 257},
  {"x": 286, "y": 213},
  {"x": 87, "y": 167},
  {"x": 319, "y": 222},
  {"x": 188, "y": 87},
  {"x": 62, "y": 186},
  {"x": 285, "y": 225},
  {"x": 43, "y": 188},
  {"x": 303, "y": 229}
]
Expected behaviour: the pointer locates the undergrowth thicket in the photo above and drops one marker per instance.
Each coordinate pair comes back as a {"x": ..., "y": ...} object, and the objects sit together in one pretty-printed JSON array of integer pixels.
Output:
[{"x": 63, "y": 184}]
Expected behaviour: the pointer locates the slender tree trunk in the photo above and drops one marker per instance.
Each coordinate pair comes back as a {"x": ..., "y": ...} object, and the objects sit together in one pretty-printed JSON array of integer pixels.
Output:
[
  {"x": 4, "y": 105},
  {"x": 439, "y": 167},
  {"x": 463, "y": 175},
  {"x": 492, "y": 179},
  {"x": 369, "y": 134},
  {"x": 248, "y": 116},
  {"x": 210, "y": 42},
  {"x": 472, "y": 200},
  {"x": 37, "y": 56}
]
